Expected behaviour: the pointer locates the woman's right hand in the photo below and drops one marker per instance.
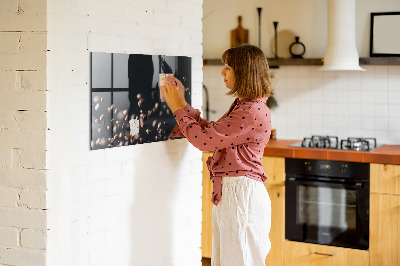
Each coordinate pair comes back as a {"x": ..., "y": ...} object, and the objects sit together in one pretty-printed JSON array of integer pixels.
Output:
[{"x": 181, "y": 91}]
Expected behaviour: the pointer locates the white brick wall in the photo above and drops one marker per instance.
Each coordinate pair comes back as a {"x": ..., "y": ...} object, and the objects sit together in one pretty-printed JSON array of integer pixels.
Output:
[
  {"x": 136, "y": 205},
  {"x": 23, "y": 132}
]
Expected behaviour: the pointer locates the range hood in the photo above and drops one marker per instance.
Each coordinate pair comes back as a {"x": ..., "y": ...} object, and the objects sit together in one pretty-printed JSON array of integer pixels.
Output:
[{"x": 341, "y": 51}]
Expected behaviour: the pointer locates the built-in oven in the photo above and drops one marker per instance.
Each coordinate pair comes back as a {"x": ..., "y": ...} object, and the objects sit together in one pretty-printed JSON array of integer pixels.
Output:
[{"x": 327, "y": 202}]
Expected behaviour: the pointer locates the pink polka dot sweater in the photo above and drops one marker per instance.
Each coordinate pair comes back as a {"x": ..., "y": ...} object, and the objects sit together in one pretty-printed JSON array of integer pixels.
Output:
[{"x": 238, "y": 139}]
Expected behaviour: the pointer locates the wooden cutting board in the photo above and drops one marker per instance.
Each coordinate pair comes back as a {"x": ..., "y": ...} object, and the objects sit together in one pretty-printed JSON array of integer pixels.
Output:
[{"x": 239, "y": 35}]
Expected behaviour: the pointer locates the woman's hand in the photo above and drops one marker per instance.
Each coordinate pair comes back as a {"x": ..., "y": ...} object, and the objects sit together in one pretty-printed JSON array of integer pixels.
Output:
[
  {"x": 171, "y": 94},
  {"x": 181, "y": 91}
]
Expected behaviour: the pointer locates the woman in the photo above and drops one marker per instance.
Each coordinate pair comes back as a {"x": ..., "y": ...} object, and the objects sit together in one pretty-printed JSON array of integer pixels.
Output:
[{"x": 242, "y": 208}]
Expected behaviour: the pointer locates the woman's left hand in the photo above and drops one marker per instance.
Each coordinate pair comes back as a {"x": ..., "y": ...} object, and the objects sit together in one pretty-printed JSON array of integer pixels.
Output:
[{"x": 171, "y": 95}]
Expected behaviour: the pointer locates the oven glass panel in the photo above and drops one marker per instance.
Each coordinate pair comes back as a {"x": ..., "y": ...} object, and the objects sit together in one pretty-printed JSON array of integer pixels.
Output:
[{"x": 326, "y": 207}]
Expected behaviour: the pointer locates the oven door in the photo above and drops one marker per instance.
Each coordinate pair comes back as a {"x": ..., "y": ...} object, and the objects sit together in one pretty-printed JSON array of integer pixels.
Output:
[{"x": 327, "y": 213}]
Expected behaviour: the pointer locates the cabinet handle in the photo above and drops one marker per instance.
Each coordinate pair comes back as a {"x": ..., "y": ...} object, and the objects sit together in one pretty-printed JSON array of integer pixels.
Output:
[{"x": 324, "y": 254}]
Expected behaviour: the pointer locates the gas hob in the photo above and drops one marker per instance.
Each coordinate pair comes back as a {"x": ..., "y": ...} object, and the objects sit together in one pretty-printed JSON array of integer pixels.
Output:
[{"x": 332, "y": 142}]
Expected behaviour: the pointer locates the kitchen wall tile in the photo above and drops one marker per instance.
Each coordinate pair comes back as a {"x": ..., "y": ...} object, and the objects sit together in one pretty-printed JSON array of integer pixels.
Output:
[
  {"x": 329, "y": 122},
  {"x": 342, "y": 133},
  {"x": 292, "y": 82},
  {"x": 367, "y": 81},
  {"x": 304, "y": 108},
  {"x": 278, "y": 83},
  {"x": 368, "y": 122},
  {"x": 304, "y": 72},
  {"x": 315, "y": 72},
  {"x": 393, "y": 71},
  {"x": 329, "y": 109},
  {"x": 381, "y": 97},
  {"x": 316, "y": 82},
  {"x": 317, "y": 107},
  {"x": 342, "y": 80},
  {"x": 355, "y": 132},
  {"x": 317, "y": 95},
  {"x": 394, "y": 97},
  {"x": 278, "y": 71},
  {"x": 342, "y": 109},
  {"x": 317, "y": 121},
  {"x": 394, "y": 110},
  {"x": 355, "y": 96},
  {"x": 380, "y": 84},
  {"x": 394, "y": 137},
  {"x": 394, "y": 83},
  {"x": 317, "y": 131},
  {"x": 331, "y": 131},
  {"x": 382, "y": 123},
  {"x": 355, "y": 109},
  {"x": 381, "y": 136},
  {"x": 305, "y": 95},
  {"x": 342, "y": 96},
  {"x": 291, "y": 132},
  {"x": 380, "y": 71},
  {"x": 394, "y": 123},
  {"x": 291, "y": 71},
  {"x": 354, "y": 122},
  {"x": 367, "y": 110},
  {"x": 329, "y": 93},
  {"x": 293, "y": 120},
  {"x": 369, "y": 70},
  {"x": 381, "y": 110},
  {"x": 367, "y": 96},
  {"x": 328, "y": 74},
  {"x": 304, "y": 131},
  {"x": 342, "y": 122},
  {"x": 367, "y": 133},
  {"x": 365, "y": 99},
  {"x": 303, "y": 82},
  {"x": 354, "y": 80}
]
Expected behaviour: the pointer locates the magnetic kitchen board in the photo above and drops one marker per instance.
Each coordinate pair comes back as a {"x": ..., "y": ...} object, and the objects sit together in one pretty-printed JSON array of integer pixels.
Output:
[{"x": 126, "y": 105}]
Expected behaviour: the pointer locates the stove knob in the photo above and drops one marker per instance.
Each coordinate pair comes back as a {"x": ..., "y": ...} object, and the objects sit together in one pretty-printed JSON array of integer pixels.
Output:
[
  {"x": 343, "y": 168},
  {"x": 308, "y": 166}
]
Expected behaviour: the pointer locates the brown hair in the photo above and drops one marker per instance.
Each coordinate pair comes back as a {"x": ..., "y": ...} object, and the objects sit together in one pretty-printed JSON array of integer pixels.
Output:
[{"x": 250, "y": 66}]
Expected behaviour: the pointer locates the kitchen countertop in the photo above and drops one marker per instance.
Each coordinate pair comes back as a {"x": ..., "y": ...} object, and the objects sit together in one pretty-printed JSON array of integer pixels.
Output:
[{"x": 389, "y": 154}]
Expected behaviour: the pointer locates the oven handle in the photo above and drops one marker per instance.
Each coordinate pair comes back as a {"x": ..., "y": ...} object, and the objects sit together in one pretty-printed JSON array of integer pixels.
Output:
[
  {"x": 324, "y": 254},
  {"x": 357, "y": 185}
]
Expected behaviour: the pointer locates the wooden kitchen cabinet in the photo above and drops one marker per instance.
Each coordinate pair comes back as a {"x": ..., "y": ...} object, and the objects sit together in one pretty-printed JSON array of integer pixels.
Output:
[
  {"x": 206, "y": 225},
  {"x": 385, "y": 178},
  {"x": 305, "y": 254},
  {"x": 384, "y": 236},
  {"x": 277, "y": 233},
  {"x": 384, "y": 215},
  {"x": 274, "y": 168}
]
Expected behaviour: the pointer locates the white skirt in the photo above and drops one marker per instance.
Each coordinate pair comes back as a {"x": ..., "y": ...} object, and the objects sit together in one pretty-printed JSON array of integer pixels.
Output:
[{"x": 241, "y": 223}]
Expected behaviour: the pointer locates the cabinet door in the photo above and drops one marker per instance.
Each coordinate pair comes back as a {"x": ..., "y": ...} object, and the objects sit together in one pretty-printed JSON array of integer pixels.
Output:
[
  {"x": 274, "y": 168},
  {"x": 385, "y": 178},
  {"x": 304, "y": 254},
  {"x": 277, "y": 233},
  {"x": 384, "y": 230},
  {"x": 206, "y": 232}
]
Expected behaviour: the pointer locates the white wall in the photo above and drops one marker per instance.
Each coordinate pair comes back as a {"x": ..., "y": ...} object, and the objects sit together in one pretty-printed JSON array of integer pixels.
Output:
[
  {"x": 306, "y": 19},
  {"x": 23, "y": 133},
  {"x": 135, "y": 205},
  {"x": 311, "y": 102}
]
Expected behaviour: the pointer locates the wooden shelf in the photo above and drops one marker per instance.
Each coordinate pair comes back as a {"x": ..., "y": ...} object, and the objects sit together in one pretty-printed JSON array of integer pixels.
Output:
[
  {"x": 273, "y": 63},
  {"x": 380, "y": 61}
]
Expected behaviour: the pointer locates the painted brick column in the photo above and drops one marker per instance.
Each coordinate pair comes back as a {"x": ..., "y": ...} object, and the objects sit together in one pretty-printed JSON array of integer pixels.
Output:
[{"x": 23, "y": 128}]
